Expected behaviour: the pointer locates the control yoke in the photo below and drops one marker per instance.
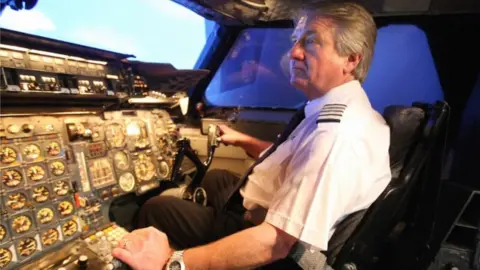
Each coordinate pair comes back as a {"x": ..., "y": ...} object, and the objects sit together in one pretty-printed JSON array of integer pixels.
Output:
[{"x": 193, "y": 191}]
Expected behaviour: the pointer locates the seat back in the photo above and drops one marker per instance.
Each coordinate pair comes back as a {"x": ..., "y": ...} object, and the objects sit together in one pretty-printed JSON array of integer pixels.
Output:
[{"x": 360, "y": 237}]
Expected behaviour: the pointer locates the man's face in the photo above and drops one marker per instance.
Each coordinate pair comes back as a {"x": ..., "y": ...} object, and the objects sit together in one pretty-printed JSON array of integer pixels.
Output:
[{"x": 315, "y": 65}]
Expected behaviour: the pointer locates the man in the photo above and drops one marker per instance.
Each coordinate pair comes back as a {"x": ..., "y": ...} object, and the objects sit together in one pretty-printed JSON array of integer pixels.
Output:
[{"x": 335, "y": 162}]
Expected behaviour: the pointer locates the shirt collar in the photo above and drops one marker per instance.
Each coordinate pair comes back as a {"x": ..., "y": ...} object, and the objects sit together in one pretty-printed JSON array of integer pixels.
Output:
[{"x": 335, "y": 95}]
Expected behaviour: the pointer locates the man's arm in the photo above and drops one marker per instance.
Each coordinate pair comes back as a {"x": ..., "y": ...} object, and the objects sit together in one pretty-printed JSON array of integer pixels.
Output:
[
  {"x": 253, "y": 146},
  {"x": 249, "y": 248}
]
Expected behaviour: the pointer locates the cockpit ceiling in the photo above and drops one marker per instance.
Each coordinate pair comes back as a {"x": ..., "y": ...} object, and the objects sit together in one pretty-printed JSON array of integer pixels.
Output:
[{"x": 235, "y": 12}]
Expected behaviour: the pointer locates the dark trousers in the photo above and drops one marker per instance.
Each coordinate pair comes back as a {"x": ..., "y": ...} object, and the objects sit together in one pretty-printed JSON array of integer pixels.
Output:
[{"x": 188, "y": 224}]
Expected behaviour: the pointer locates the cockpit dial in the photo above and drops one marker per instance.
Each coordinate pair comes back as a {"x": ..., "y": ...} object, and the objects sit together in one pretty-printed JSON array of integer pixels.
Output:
[
  {"x": 49, "y": 237},
  {"x": 164, "y": 169},
  {"x": 11, "y": 178},
  {"x": 16, "y": 201},
  {"x": 144, "y": 168},
  {"x": 45, "y": 215},
  {"x": 3, "y": 233},
  {"x": 121, "y": 161},
  {"x": 8, "y": 155},
  {"x": 115, "y": 135},
  {"x": 36, "y": 173},
  {"x": 53, "y": 149},
  {"x": 31, "y": 152},
  {"x": 27, "y": 246},
  {"x": 138, "y": 130},
  {"x": 69, "y": 228},
  {"x": 40, "y": 194},
  {"x": 5, "y": 257},
  {"x": 65, "y": 208},
  {"x": 57, "y": 168},
  {"x": 60, "y": 188},
  {"x": 126, "y": 182},
  {"x": 21, "y": 224}
]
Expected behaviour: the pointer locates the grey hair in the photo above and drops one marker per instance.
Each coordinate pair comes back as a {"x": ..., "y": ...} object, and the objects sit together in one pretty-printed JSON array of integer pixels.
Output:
[{"x": 355, "y": 31}]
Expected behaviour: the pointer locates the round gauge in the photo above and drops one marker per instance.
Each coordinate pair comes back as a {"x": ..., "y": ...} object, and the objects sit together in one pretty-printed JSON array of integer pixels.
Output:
[
  {"x": 138, "y": 130},
  {"x": 36, "y": 173},
  {"x": 65, "y": 208},
  {"x": 49, "y": 237},
  {"x": 5, "y": 257},
  {"x": 11, "y": 178},
  {"x": 57, "y": 168},
  {"x": 27, "y": 246},
  {"x": 53, "y": 149},
  {"x": 121, "y": 161},
  {"x": 164, "y": 169},
  {"x": 69, "y": 228},
  {"x": 16, "y": 201},
  {"x": 31, "y": 152},
  {"x": 21, "y": 224},
  {"x": 115, "y": 135},
  {"x": 144, "y": 168},
  {"x": 8, "y": 155},
  {"x": 60, "y": 188},
  {"x": 3, "y": 233},
  {"x": 45, "y": 215},
  {"x": 126, "y": 182},
  {"x": 40, "y": 194}
]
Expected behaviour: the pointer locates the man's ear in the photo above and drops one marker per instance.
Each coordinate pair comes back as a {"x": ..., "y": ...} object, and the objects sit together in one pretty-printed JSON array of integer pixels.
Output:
[{"x": 352, "y": 62}]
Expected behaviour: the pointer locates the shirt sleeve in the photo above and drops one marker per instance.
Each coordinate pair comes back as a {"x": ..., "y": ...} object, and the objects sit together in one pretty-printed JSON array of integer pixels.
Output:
[{"x": 320, "y": 181}]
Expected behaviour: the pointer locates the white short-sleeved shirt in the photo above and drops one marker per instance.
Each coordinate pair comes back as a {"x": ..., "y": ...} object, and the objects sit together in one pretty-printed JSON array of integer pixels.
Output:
[{"x": 334, "y": 163}]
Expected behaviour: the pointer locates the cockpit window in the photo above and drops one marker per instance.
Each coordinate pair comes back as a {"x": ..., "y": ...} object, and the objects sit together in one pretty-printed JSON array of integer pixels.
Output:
[
  {"x": 152, "y": 30},
  {"x": 255, "y": 72}
]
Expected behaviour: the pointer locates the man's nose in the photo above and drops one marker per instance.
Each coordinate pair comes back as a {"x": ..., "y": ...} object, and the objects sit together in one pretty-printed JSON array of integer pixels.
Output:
[{"x": 296, "y": 52}]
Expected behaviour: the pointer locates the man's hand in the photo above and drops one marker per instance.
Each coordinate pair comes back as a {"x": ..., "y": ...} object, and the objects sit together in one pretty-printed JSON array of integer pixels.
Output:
[
  {"x": 230, "y": 136},
  {"x": 144, "y": 249}
]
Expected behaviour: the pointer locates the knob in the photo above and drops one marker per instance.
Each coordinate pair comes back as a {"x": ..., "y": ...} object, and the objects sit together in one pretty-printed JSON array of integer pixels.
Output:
[
  {"x": 27, "y": 128},
  {"x": 82, "y": 262},
  {"x": 349, "y": 266}
]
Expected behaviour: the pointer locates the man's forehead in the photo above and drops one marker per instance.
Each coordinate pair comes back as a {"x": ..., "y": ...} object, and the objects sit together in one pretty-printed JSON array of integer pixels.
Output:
[{"x": 309, "y": 24}]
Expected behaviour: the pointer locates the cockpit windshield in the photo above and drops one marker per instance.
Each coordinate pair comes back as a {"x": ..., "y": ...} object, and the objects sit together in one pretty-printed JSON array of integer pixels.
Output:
[
  {"x": 153, "y": 31},
  {"x": 255, "y": 72}
]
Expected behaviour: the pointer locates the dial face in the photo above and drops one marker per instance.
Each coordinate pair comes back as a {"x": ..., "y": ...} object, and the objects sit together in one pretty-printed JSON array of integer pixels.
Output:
[
  {"x": 49, "y": 237},
  {"x": 144, "y": 168},
  {"x": 21, "y": 224},
  {"x": 8, "y": 155},
  {"x": 115, "y": 135},
  {"x": 121, "y": 161},
  {"x": 5, "y": 257},
  {"x": 57, "y": 168},
  {"x": 3, "y": 233},
  {"x": 11, "y": 178},
  {"x": 138, "y": 130},
  {"x": 53, "y": 149},
  {"x": 16, "y": 200},
  {"x": 164, "y": 169},
  {"x": 40, "y": 194},
  {"x": 60, "y": 188},
  {"x": 27, "y": 247},
  {"x": 127, "y": 182},
  {"x": 69, "y": 228},
  {"x": 36, "y": 173},
  {"x": 45, "y": 215},
  {"x": 31, "y": 152},
  {"x": 65, "y": 208}
]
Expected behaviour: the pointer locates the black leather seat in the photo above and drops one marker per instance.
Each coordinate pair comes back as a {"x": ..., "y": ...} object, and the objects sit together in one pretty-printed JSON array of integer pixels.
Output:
[{"x": 360, "y": 240}]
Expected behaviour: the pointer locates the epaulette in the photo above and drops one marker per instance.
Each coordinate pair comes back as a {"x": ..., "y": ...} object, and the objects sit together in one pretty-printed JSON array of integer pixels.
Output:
[{"x": 331, "y": 113}]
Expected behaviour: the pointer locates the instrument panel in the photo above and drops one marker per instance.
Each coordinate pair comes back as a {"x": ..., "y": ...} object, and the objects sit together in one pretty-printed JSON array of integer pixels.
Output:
[{"x": 59, "y": 173}]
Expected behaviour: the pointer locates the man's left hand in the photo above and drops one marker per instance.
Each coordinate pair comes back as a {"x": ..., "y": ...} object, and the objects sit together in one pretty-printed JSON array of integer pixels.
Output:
[{"x": 144, "y": 249}]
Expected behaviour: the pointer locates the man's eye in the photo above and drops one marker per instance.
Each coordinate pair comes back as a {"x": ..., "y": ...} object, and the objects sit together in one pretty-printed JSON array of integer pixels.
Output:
[{"x": 309, "y": 41}]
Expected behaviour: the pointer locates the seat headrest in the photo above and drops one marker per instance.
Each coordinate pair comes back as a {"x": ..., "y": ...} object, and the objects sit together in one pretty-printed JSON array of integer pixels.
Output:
[{"x": 406, "y": 126}]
